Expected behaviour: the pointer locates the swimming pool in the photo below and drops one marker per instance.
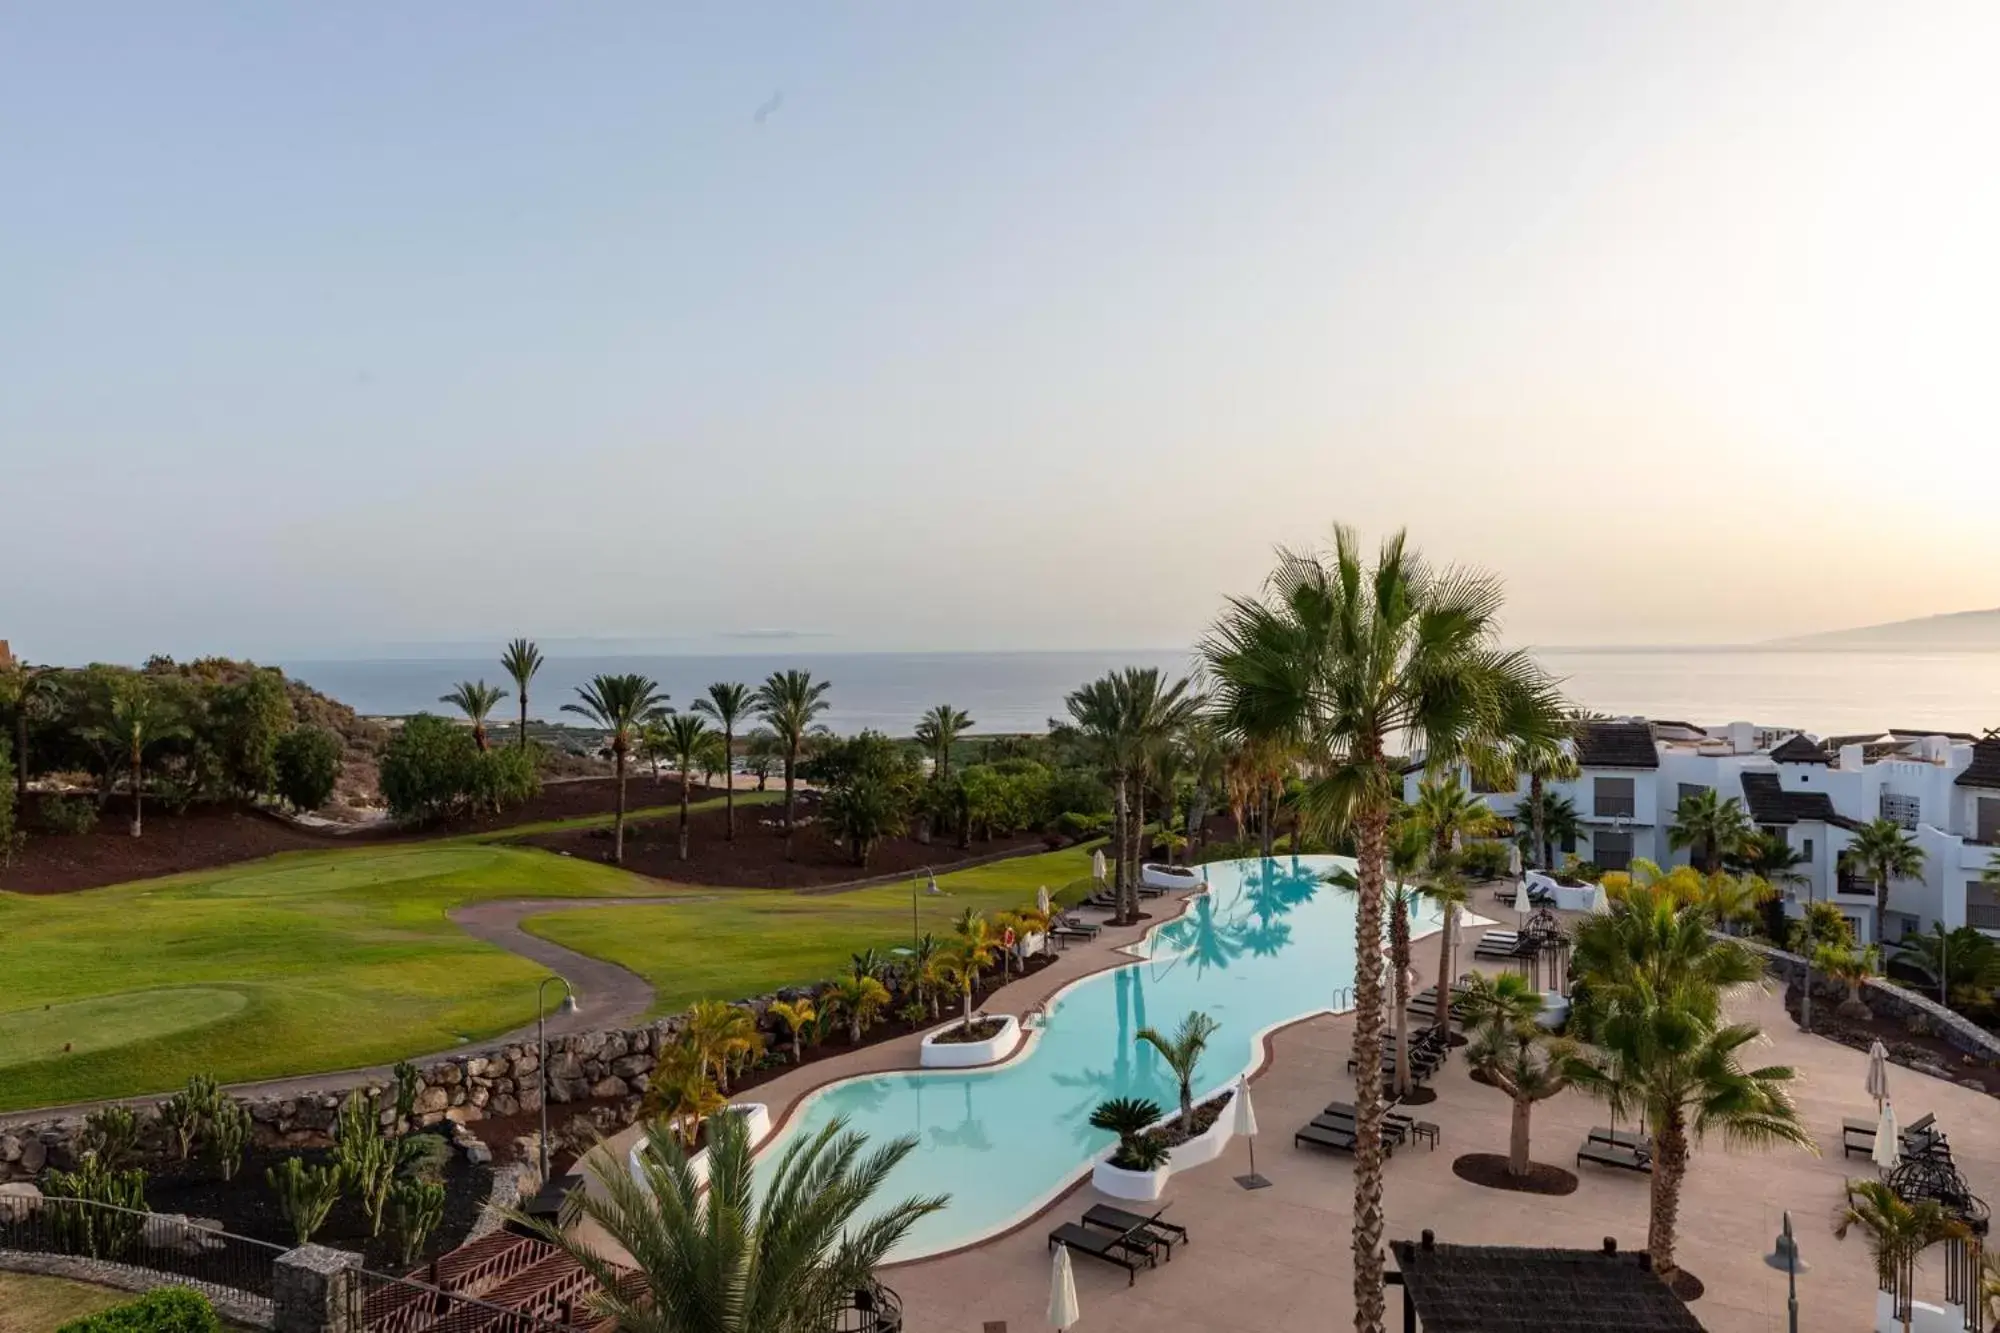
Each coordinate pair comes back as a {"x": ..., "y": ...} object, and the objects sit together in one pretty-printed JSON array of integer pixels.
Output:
[{"x": 1269, "y": 943}]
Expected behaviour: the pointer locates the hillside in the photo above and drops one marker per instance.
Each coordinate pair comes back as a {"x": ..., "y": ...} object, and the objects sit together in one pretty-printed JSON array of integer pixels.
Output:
[{"x": 1976, "y": 630}]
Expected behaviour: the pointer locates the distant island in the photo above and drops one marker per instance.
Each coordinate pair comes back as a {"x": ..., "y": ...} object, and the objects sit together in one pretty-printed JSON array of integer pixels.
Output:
[{"x": 1960, "y": 629}]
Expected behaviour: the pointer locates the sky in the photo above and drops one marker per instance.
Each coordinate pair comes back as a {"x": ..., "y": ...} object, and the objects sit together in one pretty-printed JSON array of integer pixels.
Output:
[{"x": 982, "y": 325}]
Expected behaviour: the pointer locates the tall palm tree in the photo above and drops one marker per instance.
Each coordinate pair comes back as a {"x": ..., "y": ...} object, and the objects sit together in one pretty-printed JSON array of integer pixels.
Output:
[
  {"x": 1182, "y": 1054},
  {"x": 788, "y": 701},
  {"x": 1551, "y": 818},
  {"x": 1449, "y": 814},
  {"x": 477, "y": 700},
  {"x": 140, "y": 719},
  {"x": 1883, "y": 852},
  {"x": 686, "y": 737},
  {"x": 34, "y": 695},
  {"x": 1447, "y": 889},
  {"x": 1710, "y": 826},
  {"x": 1104, "y": 732},
  {"x": 1897, "y": 1232},
  {"x": 735, "y": 1257},
  {"x": 523, "y": 661},
  {"x": 728, "y": 703},
  {"x": 1544, "y": 759},
  {"x": 1155, "y": 714},
  {"x": 1346, "y": 660},
  {"x": 620, "y": 704},
  {"x": 1653, "y": 979},
  {"x": 937, "y": 732}
]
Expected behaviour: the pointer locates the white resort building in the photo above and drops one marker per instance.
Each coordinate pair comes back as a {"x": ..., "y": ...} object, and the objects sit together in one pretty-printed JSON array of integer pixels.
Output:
[{"x": 1813, "y": 792}]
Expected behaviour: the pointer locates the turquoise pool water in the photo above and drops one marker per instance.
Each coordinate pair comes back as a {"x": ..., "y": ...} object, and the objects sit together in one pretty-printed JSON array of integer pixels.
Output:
[{"x": 1269, "y": 943}]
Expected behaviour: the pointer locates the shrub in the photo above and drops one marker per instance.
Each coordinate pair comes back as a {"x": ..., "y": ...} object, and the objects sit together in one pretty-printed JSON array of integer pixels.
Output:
[
  {"x": 1486, "y": 860},
  {"x": 433, "y": 768},
  {"x": 112, "y": 1133},
  {"x": 1073, "y": 791},
  {"x": 246, "y": 718},
  {"x": 69, "y": 816},
  {"x": 101, "y": 1233},
  {"x": 306, "y": 1194},
  {"x": 415, "y": 1209},
  {"x": 306, "y": 761},
  {"x": 168, "y": 1310},
  {"x": 1078, "y": 825},
  {"x": 1128, "y": 1118},
  {"x": 503, "y": 776},
  {"x": 423, "y": 1157},
  {"x": 10, "y": 833},
  {"x": 228, "y": 1133}
]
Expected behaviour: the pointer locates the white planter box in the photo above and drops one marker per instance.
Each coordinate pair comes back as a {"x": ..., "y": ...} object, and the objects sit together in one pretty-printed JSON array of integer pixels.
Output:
[
  {"x": 1198, "y": 1151},
  {"x": 1170, "y": 877},
  {"x": 965, "y": 1054},
  {"x": 756, "y": 1118}
]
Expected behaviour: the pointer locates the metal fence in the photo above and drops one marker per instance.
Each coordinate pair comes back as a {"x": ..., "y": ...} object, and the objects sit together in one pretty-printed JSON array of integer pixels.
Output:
[
  {"x": 102, "y": 1235},
  {"x": 381, "y": 1303}
]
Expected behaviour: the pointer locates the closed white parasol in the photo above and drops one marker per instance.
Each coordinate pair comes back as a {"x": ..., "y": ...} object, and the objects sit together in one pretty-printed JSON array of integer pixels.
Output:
[
  {"x": 1888, "y": 1139},
  {"x": 1042, "y": 900},
  {"x": 1063, "y": 1311},
  {"x": 1246, "y": 1127},
  {"x": 1097, "y": 865},
  {"x": 1878, "y": 1074}
]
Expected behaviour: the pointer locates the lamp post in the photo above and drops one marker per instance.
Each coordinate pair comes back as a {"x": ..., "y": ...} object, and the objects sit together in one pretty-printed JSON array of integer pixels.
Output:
[
  {"x": 1784, "y": 1257},
  {"x": 568, "y": 1006}
]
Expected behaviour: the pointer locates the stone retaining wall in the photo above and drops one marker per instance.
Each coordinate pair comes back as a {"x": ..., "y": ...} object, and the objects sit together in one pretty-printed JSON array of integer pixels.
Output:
[{"x": 1887, "y": 1000}]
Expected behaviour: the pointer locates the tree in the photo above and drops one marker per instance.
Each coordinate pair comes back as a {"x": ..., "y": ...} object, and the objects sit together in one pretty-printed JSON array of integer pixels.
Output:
[
  {"x": 737, "y": 1257},
  {"x": 870, "y": 784},
  {"x": 1157, "y": 712},
  {"x": 1182, "y": 1053},
  {"x": 619, "y": 704},
  {"x": 33, "y": 693},
  {"x": 686, "y": 736},
  {"x": 10, "y": 834},
  {"x": 681, "y": 1091},
  {"x": 1550, "y": 818},
  {"x": 1447, "y": 889},
  {"x": 937, "y": 732},
  {"x": 140, "y": 718},
  {"x": 727, "y": 703},
  {"x": 1850, "y": 967},
  {"x": 1448, "y": 814},
  {"x": 307, "y": 763},
  {"x": 856, "y": 999},
  {"x": 426, "y": 769},
  {"x": 247, "y": 717},
  {"x": 1963, "y": 964},
  {"x": 477, "y": 700},
  {"x": 523, "y": 661},
  {"x": 761, "y": 754},
  {"x": 1544, "y": 758},
  {"x": 1883, "y": 852},
  {"x": 1343, "y": 661},
  {"x": 968, "y": 953},
  {"x": 1653, "y": 976},
  {"x": 1897, "y": 1232},
  {"x": 1514, "y": 1053},
  {"x": 1104, "y": 731},
  {"x": 1709, "y": 824},
  {"x": 789, "y": 701},
  {"x": 795, "y": 1015}
]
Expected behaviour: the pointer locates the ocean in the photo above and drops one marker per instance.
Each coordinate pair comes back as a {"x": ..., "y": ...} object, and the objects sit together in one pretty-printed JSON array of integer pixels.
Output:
[{"x": 1818, "y": 690}]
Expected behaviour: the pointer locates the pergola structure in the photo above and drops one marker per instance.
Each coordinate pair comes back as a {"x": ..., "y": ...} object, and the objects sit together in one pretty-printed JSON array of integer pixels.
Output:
[{"x": 1506, "y": 1289}]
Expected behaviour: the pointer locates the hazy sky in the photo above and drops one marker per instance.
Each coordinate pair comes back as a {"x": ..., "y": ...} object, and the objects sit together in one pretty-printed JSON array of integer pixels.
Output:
[{"x": 1016, "y": 324}]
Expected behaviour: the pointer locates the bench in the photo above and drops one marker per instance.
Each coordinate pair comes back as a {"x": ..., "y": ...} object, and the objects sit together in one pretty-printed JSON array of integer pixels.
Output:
[{"x": 1610, "y": 1154}]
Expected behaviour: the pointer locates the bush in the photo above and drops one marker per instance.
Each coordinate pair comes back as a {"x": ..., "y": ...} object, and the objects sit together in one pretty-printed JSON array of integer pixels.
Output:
[
  {"x": 1486, "y": 860},
  {"x": 423, "y": 1157},
  {"x": 433, "y": 768},
  {"x": 503, "y": 776},
  {"x": 415, "y": 1209},
  {"x": 1079, "y": 825},
  {"x": 70, "y": 816},
  {"x": 168, "y": 1310},
  {"x": 1074, "y": 791},
  {"x": 246, "y": 718},
  {"x": 307, "y": 764},
  {"x": 10, "y": 834}
]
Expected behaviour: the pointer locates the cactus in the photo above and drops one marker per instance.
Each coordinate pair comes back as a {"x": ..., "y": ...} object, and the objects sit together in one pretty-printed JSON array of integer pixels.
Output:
[
  {"x": 306, "y": 1194},
  {"x": 228, "y": 1133},
  {"x": 415, "y": 1209}
]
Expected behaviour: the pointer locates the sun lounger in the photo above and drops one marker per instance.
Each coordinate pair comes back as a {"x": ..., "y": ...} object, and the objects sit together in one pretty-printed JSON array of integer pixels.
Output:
[
  {"x": 1337, "y": 1140},
  {"x": 1394, "y": 1129},
  {"x": 1124, "y": 1248},
  {"x": 1610, "y": 1154},
  {"x": 1154, "y": 1229},
  {"x": 1622, "y": 1138}
]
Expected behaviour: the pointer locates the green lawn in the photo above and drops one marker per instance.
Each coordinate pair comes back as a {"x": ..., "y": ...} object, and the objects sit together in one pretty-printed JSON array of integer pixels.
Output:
[
  {"x": 650, "y": 812},
  {"x": 43, "y": 1304},
  {"x": 698, "y": 945},
  {"x": 296, "y": 963}
]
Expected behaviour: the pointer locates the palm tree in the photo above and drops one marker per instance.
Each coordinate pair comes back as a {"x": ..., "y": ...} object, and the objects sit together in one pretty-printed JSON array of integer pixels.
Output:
[
  {"x": 1961, "y": 963},
  {"x": 1883, "y": 852},
  {"x": 1551, "y": 819},
  {"x": 795, "y": 1015},
  {"x": 1344, "y": 661},
  {"x": 858, "y": 1000},
  {"x": 788, "y": 701},
  {"x": 722, "y": 1034},
  {"x": 1653, "y": 978},
  {"x": 1897, "y": 1233},
  {"x": 681, "y": 1092},
  {"x": 476, "y": 699},
  {"x": 761, "y": 753},
  {"x": 1104, "y": 730},
  {"x": 736, "y": 1257},
  {"x": 1448, "y": 814},
  {"x": 728, "y": 703},
  {"x": 686, "y": 736},
  {"x": 938, "y": 732},
  {"x": 1850, "y": 967},
  {"x": 523, "y": 661},
  {"x": 620, "y": 705},
  {"x": 1545, "y": 759},
  {"x": 1156, "y": 713},
  {"x": 1714, "y": 826},
  {"x": 965, "y": 956},
  {"x": 1515, "y": 1055},
  {"x": 1448, "y": 891},
  {"x": 35, "y": 693},
  {"x": 1182, "y": 1053},
  {"x": 140, "y": 718}
]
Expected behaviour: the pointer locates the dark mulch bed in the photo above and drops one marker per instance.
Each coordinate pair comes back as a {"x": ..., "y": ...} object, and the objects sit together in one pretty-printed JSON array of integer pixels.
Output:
[
  {"x": 202, "y": 837},
  {"x": 574, "y": 800},
  {"x": 248, "y": 1206},
  {"x": 958, "y": 1035},
  {"x": 1205, "y": 1116},
  {"x": 1904, "y": 1047},
  {"x": 757, "y": 860},
  {"x": 1418, "y": 1095},
  {"x": 1686, "y": 1285},
  {"x": 1490, "y": 1169}
]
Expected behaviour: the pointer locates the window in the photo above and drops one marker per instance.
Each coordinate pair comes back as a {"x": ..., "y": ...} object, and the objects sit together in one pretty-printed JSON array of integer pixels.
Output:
[
  {"x": 1612, "y": 799},
  {"x": 1905, "y": 810},
  {"x": 1806, "y": 849},
  {"x": 1989, "y": 819},
  {"x": 1611, "y": 850},
  {"x": 1689, "y": 789}
]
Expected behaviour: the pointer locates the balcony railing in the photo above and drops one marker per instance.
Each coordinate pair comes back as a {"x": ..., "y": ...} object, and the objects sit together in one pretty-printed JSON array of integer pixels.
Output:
[
  {"x": 1980, "y": 917},
  {"x": 1614, "y": 807}
]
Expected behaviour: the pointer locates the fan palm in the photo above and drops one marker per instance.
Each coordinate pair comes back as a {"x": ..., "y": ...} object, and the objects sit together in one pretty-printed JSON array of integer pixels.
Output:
[
  {"x": 1851, "y": 967},
  {"x": 1652, "y": 981},
  {"x": 1709, "y": 824},
  {"x": 523, "y": 661},
  {"x": 737, "y": 1257},
  {"x": 1544, "y": 758},
  {"x": 938, "y": 732},
  {"x": 1897, "y": 1232},
  {"x": 1882, "y": 851},
  {"x": 1343, "y": 661},
  {"x": 789, "y": 701},
  {"x": 1182, "y": 1053},
  {"x": 1542, "y": 821},
  {"x": 1960, "y": 963},
  {"x": 727, "y": 703},
  {"x": 686, "y": 737},
  {"x": 140, "y": 718},
  {"x": 620, "y": 704},
  {"x": 477, "y": 700}
]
